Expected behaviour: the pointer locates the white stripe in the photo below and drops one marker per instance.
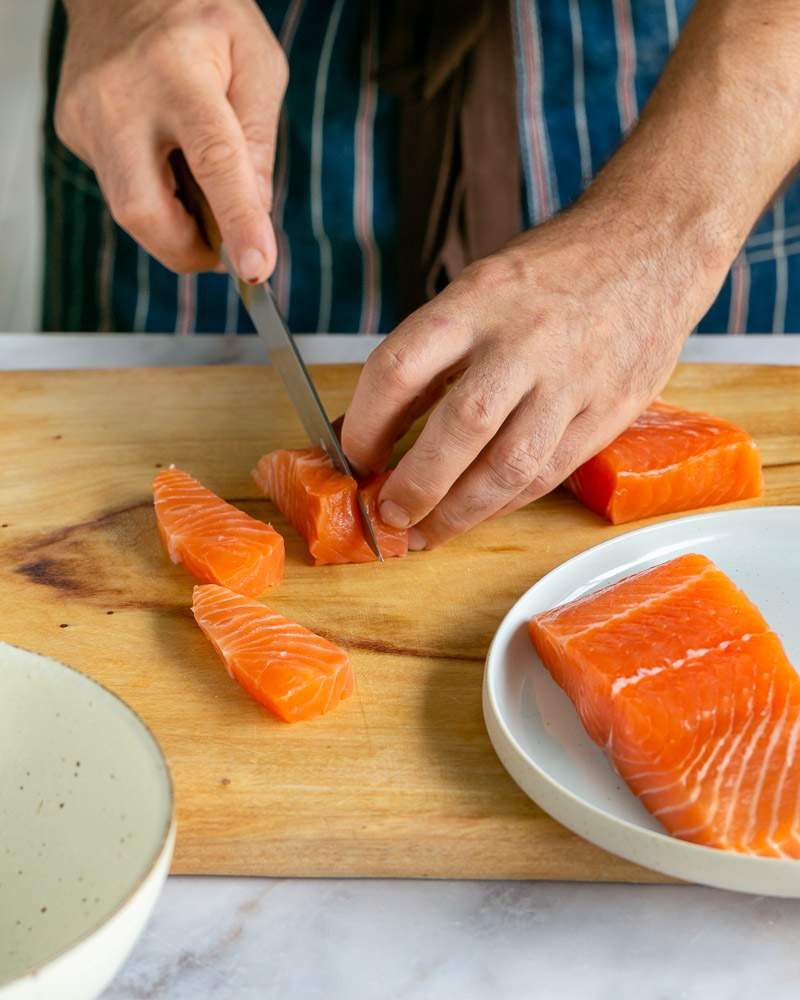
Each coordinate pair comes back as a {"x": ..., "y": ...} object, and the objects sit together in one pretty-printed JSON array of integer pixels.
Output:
[
  {"x": 781, "y": 267},
  {"x": 578, "y": 86},
  {"x": 733, "y": 801},
  {"x": 788, "y": 761},
  {"x": 231, "y": 307},
  {"x": 672, "y": 22},
  {"x": 766, "y": 238},
  {"x": 723, "y": 764},
  {"x": 755, "y": 798},
  {"x": 105, "y": 272},
  {"x": 317, "y": 122},
  {"x": 789, "y": 250},
  {"x": 142, "y": 291}
]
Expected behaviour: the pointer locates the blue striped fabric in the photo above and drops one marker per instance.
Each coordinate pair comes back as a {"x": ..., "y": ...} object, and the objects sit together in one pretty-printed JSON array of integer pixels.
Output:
[{"x": 584, "y": 69}]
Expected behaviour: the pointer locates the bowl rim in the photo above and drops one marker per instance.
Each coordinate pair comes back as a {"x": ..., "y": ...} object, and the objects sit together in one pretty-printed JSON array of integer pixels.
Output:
[{"x": 163, "y": 840}]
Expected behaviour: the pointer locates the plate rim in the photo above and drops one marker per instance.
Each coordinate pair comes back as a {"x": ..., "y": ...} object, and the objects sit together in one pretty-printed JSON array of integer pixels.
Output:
[{"x": 725, "y": 868}]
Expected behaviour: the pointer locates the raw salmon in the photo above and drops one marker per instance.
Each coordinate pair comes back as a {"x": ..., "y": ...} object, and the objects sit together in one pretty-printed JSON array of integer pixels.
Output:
[
  {"x": 321, "y": 504},
  {"x": 295, "y": 673},
  {"x": 677, "y": 675},
  {"x": 667, "y": 461},
  {"x": 217, "y": 543}
]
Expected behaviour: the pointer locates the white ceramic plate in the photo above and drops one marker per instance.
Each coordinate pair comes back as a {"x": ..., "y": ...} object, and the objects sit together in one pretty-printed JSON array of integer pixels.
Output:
[
  {"x": 86, "y": 830},
  {"x": 535, "y": 729}
]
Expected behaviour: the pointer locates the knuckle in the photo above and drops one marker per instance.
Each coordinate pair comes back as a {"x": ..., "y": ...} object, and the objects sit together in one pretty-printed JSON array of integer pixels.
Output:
[
  {"x": 514, "y": 468},
  {"x": 280, "y": 68},
  {"x": 472, "y": 414},
  {"x": 419, "y": 492},
  {"x": 494, "y": 273},
  {"x": 69, "y": 115},
  {"x": 133, "y": 214},
  {"x": 213, "y": 155},
  {"x": 451, "y": 520},
  {"x": 214, "y": 14},
  {"x": 392, "y": 366}
]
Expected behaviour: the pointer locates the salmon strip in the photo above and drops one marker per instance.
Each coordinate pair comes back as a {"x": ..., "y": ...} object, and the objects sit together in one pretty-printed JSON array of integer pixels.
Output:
[
  {"x": 320, "y": 503},
  {"x": 295, "y": 673},
  {"x": 216, "y": 542},
  {"x": 669, "y": 460},
  {"x": 677, "y": 675}
]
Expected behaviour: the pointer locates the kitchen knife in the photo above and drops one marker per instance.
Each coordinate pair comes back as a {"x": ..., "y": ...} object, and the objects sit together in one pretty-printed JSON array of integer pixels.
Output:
[{"x": 260, "y": 304}]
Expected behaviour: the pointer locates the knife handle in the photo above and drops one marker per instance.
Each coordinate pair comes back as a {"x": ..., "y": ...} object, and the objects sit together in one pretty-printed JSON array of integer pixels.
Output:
[{"x": 191, "y": 196}]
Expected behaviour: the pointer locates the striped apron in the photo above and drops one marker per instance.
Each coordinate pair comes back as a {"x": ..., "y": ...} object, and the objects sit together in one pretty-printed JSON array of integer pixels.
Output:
[{"x": 584, "y": 68}]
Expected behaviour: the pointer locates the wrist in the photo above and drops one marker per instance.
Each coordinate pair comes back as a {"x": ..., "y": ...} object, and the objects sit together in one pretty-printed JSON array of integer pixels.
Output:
[{"x": 680, "y": 236}]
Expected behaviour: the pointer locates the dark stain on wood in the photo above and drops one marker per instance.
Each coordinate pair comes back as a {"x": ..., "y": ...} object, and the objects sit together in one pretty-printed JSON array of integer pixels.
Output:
[
  {"x": 56, "y": 574},
  {"x": 391, "y": 649}
]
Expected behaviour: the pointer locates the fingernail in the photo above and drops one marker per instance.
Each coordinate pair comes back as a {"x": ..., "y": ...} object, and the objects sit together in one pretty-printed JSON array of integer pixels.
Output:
[
  {"x": 416, "y": 540},
  {"x": 252, "y": 265},
  {"x": 394, "y": 515}
]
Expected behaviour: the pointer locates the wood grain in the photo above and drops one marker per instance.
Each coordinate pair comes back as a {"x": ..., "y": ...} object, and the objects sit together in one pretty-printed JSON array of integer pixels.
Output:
[{"x": 401, "y": 780}]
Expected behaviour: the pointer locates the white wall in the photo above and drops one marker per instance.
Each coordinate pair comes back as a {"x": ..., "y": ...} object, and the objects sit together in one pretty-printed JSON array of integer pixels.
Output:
[{"x": 22, "y": 36}]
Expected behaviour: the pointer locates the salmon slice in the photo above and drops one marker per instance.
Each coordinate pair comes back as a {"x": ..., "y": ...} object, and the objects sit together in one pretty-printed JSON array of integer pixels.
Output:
[
  {"x": 217, "y": 543},
  {"x": 321, "y": 504},
  {"x": 677, "y": 675},
  {"x": 667, "y": 461},
  {"x": 295, "y": 673}
]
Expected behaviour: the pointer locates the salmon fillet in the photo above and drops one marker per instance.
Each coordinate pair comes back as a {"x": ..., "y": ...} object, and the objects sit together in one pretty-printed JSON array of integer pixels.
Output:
[
  {"x": 216, "y": 542},
  {"x": 667, "y": 461},
  {"x": 677, "y": 675},
  {"x": 321, "y": 504},
  {"x": 295, "y": 673}
]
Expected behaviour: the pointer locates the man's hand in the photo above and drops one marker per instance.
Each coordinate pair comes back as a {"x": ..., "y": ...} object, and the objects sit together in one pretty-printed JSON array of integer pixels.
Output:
[
  {"x": 143, "y": 77},
  {"x": 566, "y": 335},
  {"x": 562, "y": 339}
]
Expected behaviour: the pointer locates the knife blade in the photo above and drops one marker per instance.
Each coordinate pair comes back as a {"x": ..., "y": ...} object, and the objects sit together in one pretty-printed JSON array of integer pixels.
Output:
[{"x": 281, "y": 348}]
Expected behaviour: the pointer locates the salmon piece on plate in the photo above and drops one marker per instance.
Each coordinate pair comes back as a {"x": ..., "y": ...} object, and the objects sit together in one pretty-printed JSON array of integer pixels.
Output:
[{"x": 676, "y": 674}]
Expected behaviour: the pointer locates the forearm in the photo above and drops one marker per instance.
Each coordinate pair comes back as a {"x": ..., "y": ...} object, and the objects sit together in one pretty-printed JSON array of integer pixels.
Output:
[{"x": 717, "y": 138}]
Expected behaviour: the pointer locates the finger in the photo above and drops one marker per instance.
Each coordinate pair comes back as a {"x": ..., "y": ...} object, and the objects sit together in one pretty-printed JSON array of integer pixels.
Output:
[
  {"x": 420, "y": 352},
  {"x": 586, "y": 435},
  {"x": 256, "y": 92},
  {"x": 215, "y": 148},
  {"x": 138, "y": 187},
  {"x": 459, "y": 428},
  {"x": 509, "y": 465}
]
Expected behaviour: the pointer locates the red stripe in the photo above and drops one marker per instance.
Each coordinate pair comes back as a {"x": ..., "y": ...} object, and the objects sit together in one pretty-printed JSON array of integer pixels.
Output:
[
  {"x": 626, "y": 47},
  {"x": 740, "y": 295},
  {"x": 530, "y": 39},
  {"x": 186, "y": 304}
]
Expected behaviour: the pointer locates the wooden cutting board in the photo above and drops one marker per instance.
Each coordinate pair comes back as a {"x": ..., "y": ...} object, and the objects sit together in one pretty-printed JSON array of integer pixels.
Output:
[{"x": 401, "y": 779}]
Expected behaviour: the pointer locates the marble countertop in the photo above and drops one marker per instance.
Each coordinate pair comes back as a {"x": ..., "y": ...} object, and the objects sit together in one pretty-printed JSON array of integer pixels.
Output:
[{"x": 302, "y": 939}]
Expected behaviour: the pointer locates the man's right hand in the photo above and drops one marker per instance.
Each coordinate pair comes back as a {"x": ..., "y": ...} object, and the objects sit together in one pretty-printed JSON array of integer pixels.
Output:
[{"x": 141, "y": 78}]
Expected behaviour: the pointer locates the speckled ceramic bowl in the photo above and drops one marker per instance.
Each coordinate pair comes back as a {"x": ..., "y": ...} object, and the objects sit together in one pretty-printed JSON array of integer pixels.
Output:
[{"x": 86, "y": 830}]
